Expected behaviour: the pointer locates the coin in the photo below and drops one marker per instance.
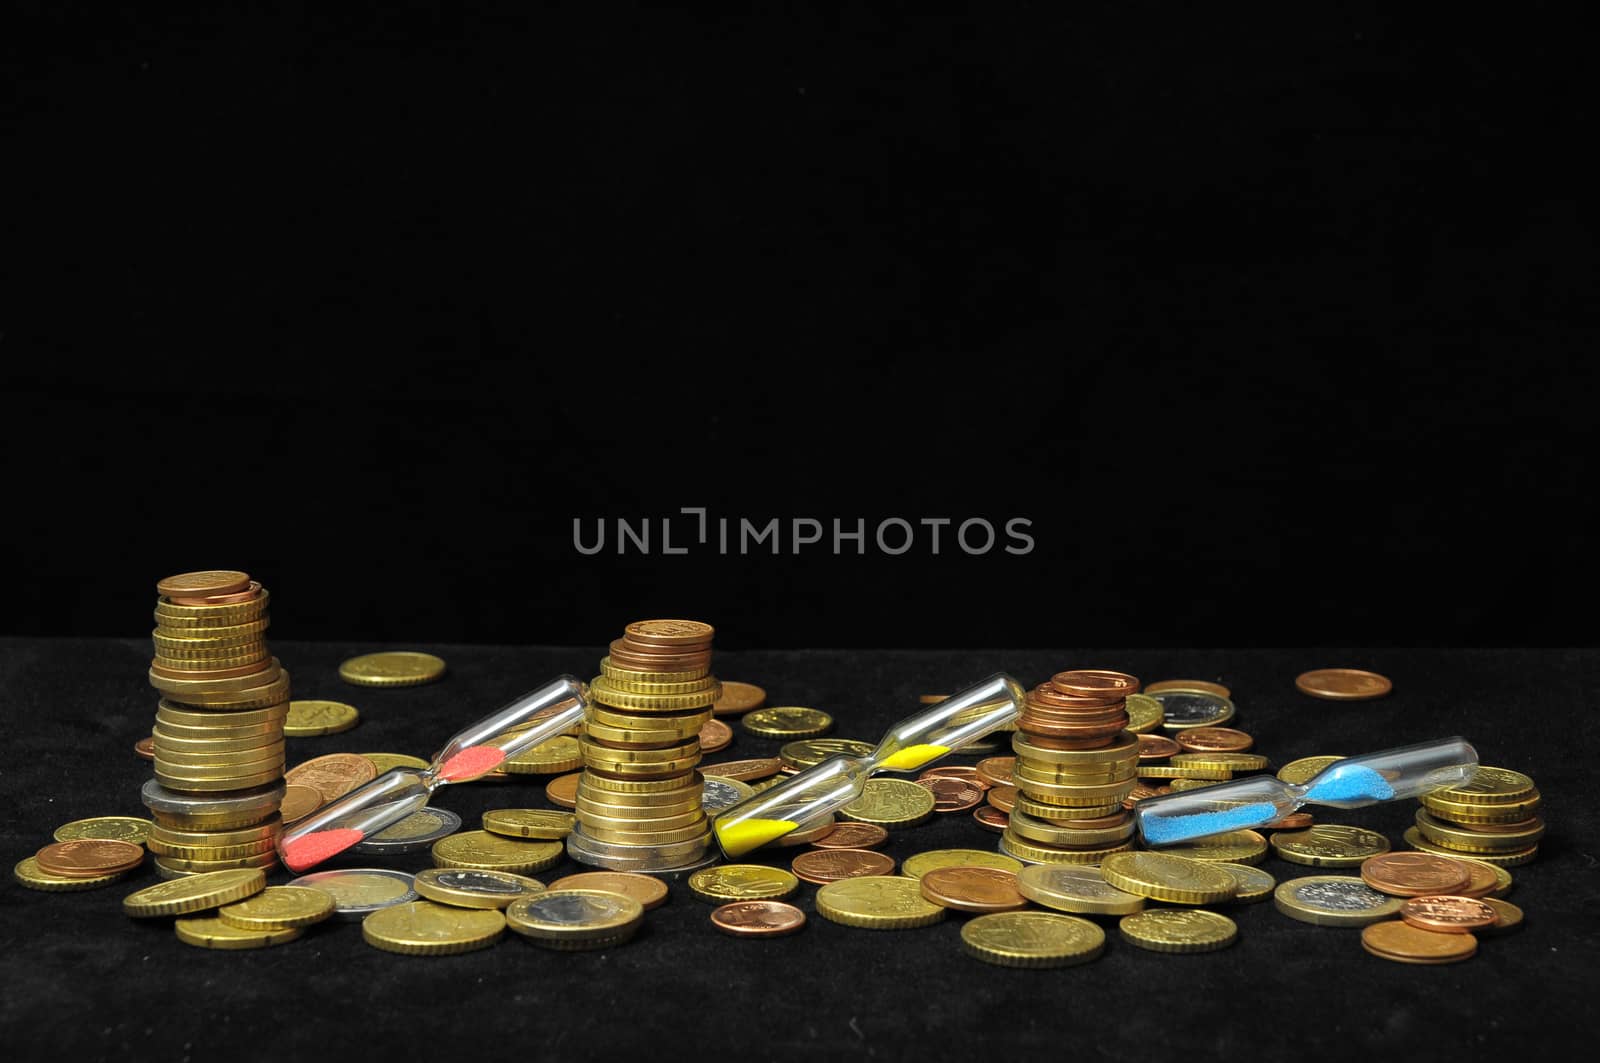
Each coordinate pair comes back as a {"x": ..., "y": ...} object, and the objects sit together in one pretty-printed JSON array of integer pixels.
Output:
[
  {"x": 385, "y": 761},
  {"x": 996, "y": 771},
  {"x": 715, "y": 736},
  {"x": 573, "y": 919},
  {"x": 1192, "y": 708},
  {"x": 1293, "y": 821},
  {"x": 852, "y": 836},
  {"x": 1254, "y": 884},
  {"x": 737, "y": 698},
  {"x": 1075, "y": 889},
  {"x": 1343, "y": 684},
  {"x": 1333, "y": 900},
  {"x": 1488, "y": 880},
  {"x": 333, "y": 775},
  {"x": 563, "y": 790},
  {"x": 210, "y": 932},
  {"x": 28, "y": 873},
  {"x": 299, "y": 801},
  {"x": 1488, "y": 786},
  {"x": 1415, "y": 874},
  {"x": 990, "y": 818},
  {"x": 786, "y": 722},
  {"x": 1516, "y": 857},
  {"x": 920, "y": 864},
  {"x": 1144, "y": 713},
  {"x": 529, "y": 823},
  {"x": 669, "y": 632},
  {"x": 402, "y": 668},
  {"x": 952, "y": 795},
  {"x": 1448, "y": 914},
  {"x": 744, "y": 770},
  {"x": 112, "y": 828},
  {"x": 1214, "y": 740},
  {"x": 491, "y": 852},
  {"x": 1002, "y": 797},
  {"x": 465, "y": 887},
  {"x": 358, "y": 892},
  {"x": 811, "y": 751},
  {"x": 1401, "y": 942},
  {"x": 1178, "y": 930},
  {"x": 1329, "y": 845},
  {"x": 1174, "y": 879},
  {"x": 424, "y": 928},
  {"x": 89, "y": 857},
  {"x": 972, "y": 889},
  {"x": 308, "y": 718},
  {"x": 146, "y": 748},
  {"x": 890, "y": 803},
  {"x": 820, "y": 866},
  {"x": 1189, "y": 684},
  {"x": 1231, "y": 847},
  {"x": 278, "y": 908},
  {"x": 648, "y": 891},
  {"x": 1303, "y": 770},
  {"x": 742, "y": 882},
  {"x": 1094, "y": 683},
  {"x": 416, "y": 832},
  {"x": 758, "y": 918},
  {"x": 1508, "y": 917},
  {"x": 1158, "y": 747},
  {"x": 196, "y": 893},
  {"x": 203, "y": 584},
  {"x": 559, "y": 754},
  {"x": 880, "y": 902}
]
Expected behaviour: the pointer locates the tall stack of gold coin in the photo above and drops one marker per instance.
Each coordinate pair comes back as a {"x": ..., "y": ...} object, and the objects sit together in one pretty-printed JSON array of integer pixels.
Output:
[
  {"x": 218, "y": 736},
  {"x": 1075, "y": 764},
  {"x": 639, "y": 799},
  {"x": 1491, "y": 817}
]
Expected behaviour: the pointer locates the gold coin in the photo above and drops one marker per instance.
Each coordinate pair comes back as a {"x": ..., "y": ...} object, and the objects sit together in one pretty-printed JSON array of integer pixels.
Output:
[
  {"x": 308, "y": 718},
  {"x": 1174, "y": 879},
  {"x": 1179, "y": 785},
  {"x": 1334, "y": 900},
  {"x": 606, "y": 692},
  {"x": 384, "y": 761},
  {"x": 1075, "y": 889},
  {"x": 1488, "y": 786},
  {"x": 742, "y": 882},
  {"x": 191, "y": 863},
  {"x": 1178, "y": 930},
  {"x": 1144, "y": 713},
  {"x": 1477, "y": 814},
  {"x": 423, "y": 928},
  {"x": 649, "y": 891},
  {"x": 181, "y": 896},
  {"x": 877, "y": 902},
  {"x": 1509, "y": 917},
  {"x": 1032, "y": 939},
  {"x": 920, "y": 864},
  {"x": 170, "y": 714},
  {"x": 113, "y": 828},
  {"x": 573, "y": 919},
  {"x": 611, "y": 671},
  {"x": 1254, "y": 884},
  {"x": 1514, "y": 858},
  {"x": 1501, "y": 840},
  {"x": 1226, "y": 761},
  {"x": 1209, "y": 772},
  {"x": 808, "y": 752},
  {"x": 210, "y": 932},
  {"x": 278, "y": 908},
  {"x": 491, "y": 852},
  {"x": 403, "y": 668},
  {"x": 1329, "y": 845},
  {"x": 1302, "y": 770},
  {"x": 539, "y": 823},
  {"x": 28, "y": 873},
  {"x": 554, "y": 755},
  {"x": 1232, "y": 847},
  {"x": 890, "y": 803},
  {"x": 787, "y": 722},
  {"x": 1013, "y": 845},
  {"x": 1050, "y": 832},
  {"x": 466, "y": 887}
]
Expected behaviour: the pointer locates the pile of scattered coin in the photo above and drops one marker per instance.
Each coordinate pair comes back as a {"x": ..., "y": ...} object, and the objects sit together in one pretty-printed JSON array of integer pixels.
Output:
[
  {"x": 218, "y": 737},
  {"x": 1490, "y": 818},
  {"x": 639, "y": 799}
]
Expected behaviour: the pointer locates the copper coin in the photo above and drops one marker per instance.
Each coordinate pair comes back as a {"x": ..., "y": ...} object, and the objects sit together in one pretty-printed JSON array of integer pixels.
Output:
[
  {"x": 991, "y": 818},
  {"x": 1414, "y": 874},
  {"x": 1095, "y": 682},
  {"x": 1157, "y": 747},
  {"x": 954, "y": 771},
  {"x": 563, "y": 790},
  {"x": 821, "y": 866},
  {"x": 1140, "y": 791},
  {"x": 996, "y": 771},
  {"x": 89, "y": 857},
  {"x": 202, "y": 584},
  {"x": 932, "y": 699},
  {"x": 973, "y": 889},
  {"x": 1343, "y": 684},
  {"x": 648, "y": 891},
  {"x": 852, "y": 835},
  {"x": 1484, "y": 881},
  {"x": 333, "y": 775},
  {"x": 146, "y": 747},
  {"x": 1395, "y": 939},
  {"x": 1293, "y": 821},
  {"x": 1002, "y": 797},
  {"x": 298, "y": 802},
  {"x": 1189, "y": 684},
  {"x": 621, "y": 648},
  {"x": 1044, "y": 741},
  {"x": 1214, "y": 740},
  {"x": 1049, "y": 697},
  {"x": 744, "y": 770},
  {"x": 758, "y": 918},
  {"x": 1117, "y": 713},
  {"x": 669, "y": 632},
  {"x": 1448, "y": 915},
  {"x": 715, "y": 735},
  {"x": 952, "y": 795},
  {"x": 1071, "y": 737},
  {"x": 738, "y": 698}
]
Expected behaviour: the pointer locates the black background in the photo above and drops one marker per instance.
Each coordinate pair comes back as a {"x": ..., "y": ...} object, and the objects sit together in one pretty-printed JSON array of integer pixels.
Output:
[{"x": 1271, "y": 327}]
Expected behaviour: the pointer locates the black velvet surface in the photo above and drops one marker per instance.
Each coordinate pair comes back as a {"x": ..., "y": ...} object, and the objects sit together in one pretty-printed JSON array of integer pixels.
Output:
[{"x": 83, "y": 981}]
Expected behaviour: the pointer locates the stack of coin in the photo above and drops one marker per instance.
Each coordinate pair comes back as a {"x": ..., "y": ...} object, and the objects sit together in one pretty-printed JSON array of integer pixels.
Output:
[
  {"x": 638, "y": 801},
  {"x": 1075, "y": 765},
  {"x": 218, "y": 736},
  {"x": 1491, "y": 817}
]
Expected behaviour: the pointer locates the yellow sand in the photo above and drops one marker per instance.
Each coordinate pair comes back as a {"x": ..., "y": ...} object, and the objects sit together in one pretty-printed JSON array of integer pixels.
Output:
[
  {"x": 739, "y": 838},
  {"x": 913, "y": 757}
]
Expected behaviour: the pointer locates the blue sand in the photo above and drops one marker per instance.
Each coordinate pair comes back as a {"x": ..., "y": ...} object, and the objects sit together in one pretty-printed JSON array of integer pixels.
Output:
[
  {"x": 1163, "y": 830},
  {"x": 1349, "y": 782}
]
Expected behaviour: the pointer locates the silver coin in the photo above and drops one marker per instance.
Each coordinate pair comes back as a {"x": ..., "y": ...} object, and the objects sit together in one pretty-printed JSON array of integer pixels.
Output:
[
  {"x": 1192, "y": 708},
  {"x": 498, "y": 887},
  {"x": 416, "y": 832},
  {"x": 720, "y": 794},
  {"x": 358, "y": 892},
  {"x": 158, "y": 798}
]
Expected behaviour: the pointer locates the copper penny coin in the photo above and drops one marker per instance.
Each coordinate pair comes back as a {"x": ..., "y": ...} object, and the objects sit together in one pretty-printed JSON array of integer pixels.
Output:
[
  {"x": 1293, "y": 821},
  {"x": 203, "y": 584},
  {"x": 1448, "y": 915},
  {"x": 954, "y": 771},
  {"x": 89, "y": 857},
  {"x": 1414, "y": 874},
  {"x": 1484, "y": 881},
  {"x": 852, "y": 835},
  {"x": 1214, "y": 740},
  {"x": 1189, "y": 684},
  {"x": 1046, "y": 696},
  {"x": 298, "y": 802},
  {"x": 1044, "y": 741},
  {"x": 996, "y": 771},
  {"x": 1094, "y": 683},
  {"x": 765, "y": 919},
  {"x": 952, "y": 795},
  {"x": 1343, "y": 684},
  {"x": 146, "y": 747},
  {"x": 563, "y": 790},
  {"x": 333, "y": 775},
  {"x": 1157, "y": 747},
  {"x": 744, "y": 770},
  {"x": 991, "y": 818},
  {"x": 1002, "y": 797},
  {"x": 715, "y": 735},
  {"x": 973, "y": 889},
  {"x": 650, "y": 892},
  {"x": 1398, "y": 940},
  {"x": 738, "y": 698},
  {"x": 669, "y": 632},
  {"x": 821, "y": 866}
]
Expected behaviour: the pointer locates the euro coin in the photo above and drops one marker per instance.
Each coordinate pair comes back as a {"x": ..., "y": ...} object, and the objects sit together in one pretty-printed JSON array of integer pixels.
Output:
[
  {"x": 1192, "y": 708},
  {"x": 650, "y": 892},
  {"x": 1303, "y": 770},
  {"x": 881, "y": 902},
  {"x": 758, "y": 918},
  {"x": 333, "y": 775},
  {"x": 537, "y": 823},
  {"x": 1232, "y": 847},
  {"x": 89, "y": 857},
  {"x": 1032, "y": 939},
  {"x": 890, "y": 803},
  {"x": 549, "y": 757},
  {"x": 1343, "y": 684},
  {"x": 392, "y": 669},
  {"x": 308, "y": 718},
  {"x": 574, "y": 919},
  {"x": 1329, "y": 845},
  {"x": 470, "y": 888},
  {"x": 384, "y": 761},
  {"x": 737, "y": 698},
  {"x": 357, "y": 892},
  {"x": 28, "y": 873},
  {"x": 210, "y": 932},
  {"x": 742, "y": 882},
  {"x": 920, "y": 864},
  {"x": 1168, "y": 878},
  {"x": 1415, "y": 874},
  {"x": 194, "y": 894},
  {"x": 1334, "y": 900},
  {"x": 806, "y": 752},
  {"x": 1401, "y": 942},
  {"x": 491, "y": 852},
  {"x": 787, "y": 722},
  {"x": 971, "y": 889},
  {"x": 112, "y": 828},
  {"x": 416, "y": 832},
  {"x": 423, "y": 928},
  {"x": 278, "y": 908},
  {"x": 1080, "y": 890},
  {"x": 1178, "y": 930}
]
